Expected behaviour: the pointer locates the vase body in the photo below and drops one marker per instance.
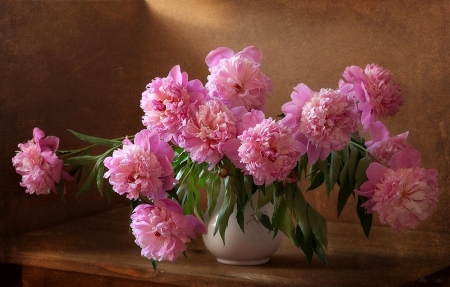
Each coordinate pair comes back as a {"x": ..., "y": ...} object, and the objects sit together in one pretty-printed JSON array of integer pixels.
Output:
[{"x": 253, "y": 247}]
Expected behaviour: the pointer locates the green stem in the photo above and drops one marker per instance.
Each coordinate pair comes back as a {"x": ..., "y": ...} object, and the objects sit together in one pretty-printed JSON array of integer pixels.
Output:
[
  {"x": 361, "y": 147},
  {"x": 76, "y": 151}
]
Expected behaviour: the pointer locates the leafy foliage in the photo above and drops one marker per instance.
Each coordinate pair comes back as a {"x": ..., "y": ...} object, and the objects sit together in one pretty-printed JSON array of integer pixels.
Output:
[{"x": 293, "y": 215}]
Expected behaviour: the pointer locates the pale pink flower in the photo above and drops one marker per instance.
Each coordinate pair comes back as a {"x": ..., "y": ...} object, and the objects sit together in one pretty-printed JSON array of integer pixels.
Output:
[
  {"x": 402, "y": 194},
  {"x": 162, "y": 231},
  {"x": 143, "y": 167},
  {"x": 326, "y": 119},
  {"x": 236, "y": 79},
  {"x": 38, "y": 164},
  {"x": 382, "y": 146},
  {"x": 268, "y": 150},
  {"x": 210, "y": 126},
  {"x": 379, "y": 96},
  {"x": 167, "y": 101}
]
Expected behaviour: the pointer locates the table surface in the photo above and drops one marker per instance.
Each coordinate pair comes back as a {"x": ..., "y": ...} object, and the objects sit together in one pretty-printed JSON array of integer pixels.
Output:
[{"x": 102, "y": 245}]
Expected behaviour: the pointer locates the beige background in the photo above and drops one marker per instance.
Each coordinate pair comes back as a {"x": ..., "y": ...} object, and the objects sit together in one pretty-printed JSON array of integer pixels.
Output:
[{"x": 84, "y": 64}]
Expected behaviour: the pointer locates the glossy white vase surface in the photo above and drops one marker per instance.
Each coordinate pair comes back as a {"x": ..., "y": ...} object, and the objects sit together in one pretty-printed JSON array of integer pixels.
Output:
[{"x": 253, "y": 247}]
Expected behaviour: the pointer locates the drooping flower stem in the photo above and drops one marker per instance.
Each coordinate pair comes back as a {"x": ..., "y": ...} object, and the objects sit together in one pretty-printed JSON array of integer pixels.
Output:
[{"x": 363, "y": 148}]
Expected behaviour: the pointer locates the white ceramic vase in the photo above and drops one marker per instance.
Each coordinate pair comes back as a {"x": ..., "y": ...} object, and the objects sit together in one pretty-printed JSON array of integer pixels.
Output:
[{"x": 253, "y": 247}]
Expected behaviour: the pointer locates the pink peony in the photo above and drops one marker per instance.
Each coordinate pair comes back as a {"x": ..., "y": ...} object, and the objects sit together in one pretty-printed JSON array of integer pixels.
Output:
[
  {"x": 268, "y": 150},
  {"x": 378, "y": 95},
  {"x": 167, "y": 101},
  {"x": 38, "y": 164},
  {"x": 211, "y": 125},
  {"x": 382, "y": 146},
  {"x": 326, "y": 119},
  {"x": 143, "y": 167},
  {"x": 402, "y": 194},
  {"x": 162, "y": 231},
  {"x": 236, "y": 79}
]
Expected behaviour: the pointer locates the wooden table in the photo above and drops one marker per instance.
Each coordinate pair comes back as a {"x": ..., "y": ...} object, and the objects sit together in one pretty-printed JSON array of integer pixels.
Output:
[{"x": 100, "y": 251}]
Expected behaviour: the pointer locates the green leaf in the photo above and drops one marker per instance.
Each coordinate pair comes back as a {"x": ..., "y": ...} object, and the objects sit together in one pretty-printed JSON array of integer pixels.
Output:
[
  {"x": 100, "y": 173},
  {"x": 279, "y": 189},
  {"x": 182, "y": 190},
  {"x": 352, "y": 163},
  {"x": 318, "y": 225},
  {"x": 345, "y": 190},
  {"x": 265, "y": 198},
  {"x": 299, "y": 208},
  {"x": 317, "y": 181},
  {"x": 173, "y": 194},
  {"x": 96, "y": 140},
  {"x": 284, "y": 221},
  {"x": 212, "y": 187},
  {"x": 201, "y": 179},
  {"x": 317, "y": 247},
  {"x": 265, "y": 221},
  {"x": 247, "y": 185},
  {"x": 225, "y": 211},
  {"x": 80, "y": 174},
  {"x": 305, "y": 243},
  {"x": 365, "y": 218},
  {"x": 360, "y": 176},
  {"x": 154, "y": 263},
  {"x": 82, "y": 159},
  {"x": 92, "y": 177},
  {"x": 188, "y": 202},
  {"x": 303, "y": 166},
  {"x": 240, "y": 218},
  {"x": 335, "y": 167},
  {"x": 197, "y": 204},
  {"x": 323, "y": 166}
]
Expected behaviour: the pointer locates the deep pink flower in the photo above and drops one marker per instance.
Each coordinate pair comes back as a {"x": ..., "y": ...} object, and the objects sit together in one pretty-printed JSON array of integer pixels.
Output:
[
  {"x": 38, "y": 164},
  {"x": 210, "y": 126},
  {"x": 379, "y": 96},
  {"x": 402, "y": 194},
  {"x": 167, "y": 101},
  {"x": 162, "y": 231},
  {"x": 236, "y": 79},
  {"x": 268, "y": 150},
  {"x": 382, "y": 146},
  {"x": 143, "y": 167},
  {"x": 326, "y": 119}
]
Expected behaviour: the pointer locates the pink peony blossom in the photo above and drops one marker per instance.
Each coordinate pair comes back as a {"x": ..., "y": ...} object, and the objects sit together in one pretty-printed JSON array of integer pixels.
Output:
[
  {"x": 162, "y": 231},
  {"x": 143, "y": 167},
  {"x": 268, "y": 150},
  {"x": 211, "y": 125},
  {"x": 382, "y": 146},
  {"x": 402, "y": 194},
  {"x": 236, "y": 79},
  {"x": 167, "y": 101},
  {"x": 378, "y": 95},
  {"x": 326, "y": 119},
  {"x": 38, "y": 164}
]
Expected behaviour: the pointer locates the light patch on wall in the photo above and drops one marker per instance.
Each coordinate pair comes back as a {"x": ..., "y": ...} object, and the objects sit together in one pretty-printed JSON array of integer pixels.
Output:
[{"x": 197, "y": 13}]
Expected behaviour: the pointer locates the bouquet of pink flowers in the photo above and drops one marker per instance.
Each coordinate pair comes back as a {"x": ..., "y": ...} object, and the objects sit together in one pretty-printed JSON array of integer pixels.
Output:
[{"x": 198, "y": 137}]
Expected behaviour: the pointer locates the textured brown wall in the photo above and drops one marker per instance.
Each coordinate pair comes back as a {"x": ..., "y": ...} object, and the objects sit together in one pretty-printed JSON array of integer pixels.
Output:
[{"x": 84, "y": 64}]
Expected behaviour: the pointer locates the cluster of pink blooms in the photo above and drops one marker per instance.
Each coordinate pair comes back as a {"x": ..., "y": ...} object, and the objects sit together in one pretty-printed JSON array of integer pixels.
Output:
[
  {"x": 225, "y": 119},
  {"x": 326, "y": 119},
  {"x": 378, "y": 96},
  {"x": 161, "y": 229},
  {"x": 398, "y": 189},
  {"x": 403, "y": 193},
  {"x": 141, "y": 168},
  {"x": 39, "y": 165}
]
